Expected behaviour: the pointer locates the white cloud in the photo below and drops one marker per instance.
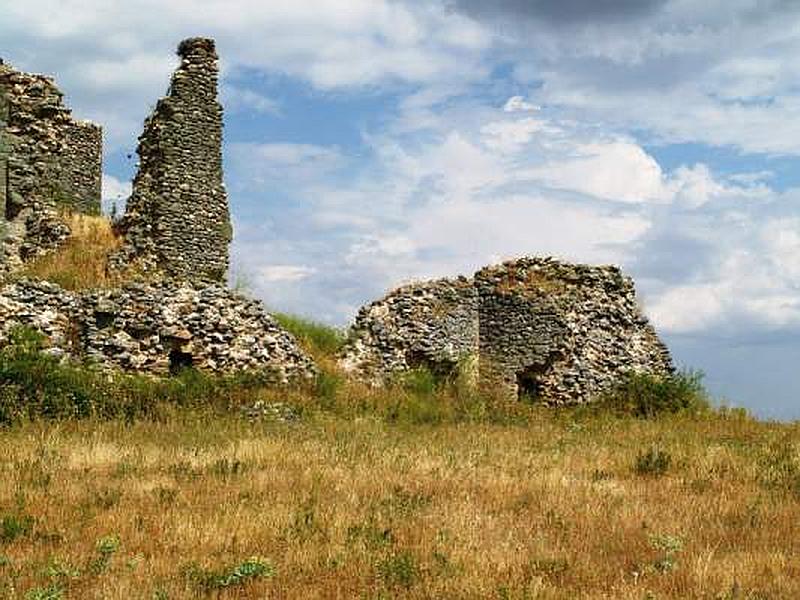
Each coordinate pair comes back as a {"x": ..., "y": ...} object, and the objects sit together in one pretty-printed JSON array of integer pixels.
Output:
[
  {"x": 752, "y": 281},
  {"x": 511, "y": 136},
  {"x": 236, "y": 99},
  {"x": 616, "y": 170},
  {"x": 275, "y": 273},
  {"x": 519, "y": 104},
  {"x": 261, "y": 165},
  {"x": 114, "y": 193},
  {"x": 118, "y": 55}
]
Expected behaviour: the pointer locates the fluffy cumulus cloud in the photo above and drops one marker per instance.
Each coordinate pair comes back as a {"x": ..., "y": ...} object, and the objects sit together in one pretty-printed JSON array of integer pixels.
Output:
[
  {"x": 115, "y": 57},
  {"x": 716, "y": 72}
]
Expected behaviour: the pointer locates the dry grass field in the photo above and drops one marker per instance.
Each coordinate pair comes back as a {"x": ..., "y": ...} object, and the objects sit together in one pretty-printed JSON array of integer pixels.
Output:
[{"x": 562, "y": 505}]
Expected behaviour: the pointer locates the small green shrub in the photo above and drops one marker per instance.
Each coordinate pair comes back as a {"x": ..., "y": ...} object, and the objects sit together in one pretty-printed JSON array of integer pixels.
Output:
[
  {"x": 15, "y": 526},
  {"x": 655, "y": 462},
  {"x": 208, "y": 581},
  {"x": 399, "y": 570},
  {"x": 327, "y": 387},
  {"x": 51, "y": 592},
  {"x": 647, "y": 396},
  {"x": 106, "y": 547},
  {"x": 668, "y": 547},
  {"x": 420, "y": 382},
  {"x": 317, "y": 338}
]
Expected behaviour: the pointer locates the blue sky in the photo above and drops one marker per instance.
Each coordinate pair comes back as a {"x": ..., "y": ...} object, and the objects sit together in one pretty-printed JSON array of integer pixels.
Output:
[{"x": 373, "y": 142}]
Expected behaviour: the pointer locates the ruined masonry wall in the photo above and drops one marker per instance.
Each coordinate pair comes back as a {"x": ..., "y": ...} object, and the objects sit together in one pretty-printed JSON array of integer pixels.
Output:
[
  {"x": 156, "y": 328},
  {"x": 48, "y": 161},
  {"x": 557, "y": 332},
  {"x": 564, "y": 332},
  {"x": 177, "y": 221}
]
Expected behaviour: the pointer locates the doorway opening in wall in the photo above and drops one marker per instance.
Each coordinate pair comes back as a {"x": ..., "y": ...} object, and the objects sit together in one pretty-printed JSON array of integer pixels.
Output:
[
  {"x": 179, "y": 360},
  {"x": 529, "y": 382}
]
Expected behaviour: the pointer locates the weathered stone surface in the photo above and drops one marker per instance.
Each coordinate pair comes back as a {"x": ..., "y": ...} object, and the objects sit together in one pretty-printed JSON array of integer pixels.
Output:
[
  {"x": 432, "y": 324},
  {"x": 156, "y": 328},
  {"x": 48, "y": 162},
  {"x": 176, "y": 222},
  {"x": 561, "y": 332},
  {"x": 558, "y": 332}
]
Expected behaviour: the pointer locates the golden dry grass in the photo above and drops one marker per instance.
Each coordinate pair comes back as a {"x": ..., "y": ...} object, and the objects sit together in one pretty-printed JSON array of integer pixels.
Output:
[
  {"x": 357, "y": 508},
  {"x": 81, "y": 263}
]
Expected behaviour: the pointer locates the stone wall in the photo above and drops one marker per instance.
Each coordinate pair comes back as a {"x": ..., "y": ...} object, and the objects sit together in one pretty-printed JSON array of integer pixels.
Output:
[
  {"x": 561, "y": 332},
  {"x": 48, "y": 162},
  {"x": 432, "y": 324},
  {"x": 177, "y": 222},
  {"x": 540, "y": 328},
  {"x": 156, "y": 328}
]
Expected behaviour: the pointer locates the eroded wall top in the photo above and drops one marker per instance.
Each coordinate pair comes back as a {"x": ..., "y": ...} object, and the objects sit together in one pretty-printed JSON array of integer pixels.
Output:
[{"x": 177, "y": 221}]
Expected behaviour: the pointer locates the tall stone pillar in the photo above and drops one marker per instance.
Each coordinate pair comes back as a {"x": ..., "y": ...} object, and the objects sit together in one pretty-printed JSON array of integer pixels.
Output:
[{"x": 177, "y": 221}]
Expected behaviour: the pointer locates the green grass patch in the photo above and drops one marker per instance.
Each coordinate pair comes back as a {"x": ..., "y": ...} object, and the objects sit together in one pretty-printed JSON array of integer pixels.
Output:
[{"x": 315, "y": 337}]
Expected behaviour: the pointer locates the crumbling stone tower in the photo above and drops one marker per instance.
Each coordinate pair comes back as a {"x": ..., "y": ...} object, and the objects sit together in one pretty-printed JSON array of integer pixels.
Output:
[
  {"x": 49, "y": 162},
  {"x": 177, "y": 222}
]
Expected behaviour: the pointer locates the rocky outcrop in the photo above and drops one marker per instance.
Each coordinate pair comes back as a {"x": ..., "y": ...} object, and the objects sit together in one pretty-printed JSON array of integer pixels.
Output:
[
  {"x": 49, "y": 162},
  {"x": 552, "y": 331},
  {"x": 176, "y": 222},
  {"x": 156, "y": 329}
]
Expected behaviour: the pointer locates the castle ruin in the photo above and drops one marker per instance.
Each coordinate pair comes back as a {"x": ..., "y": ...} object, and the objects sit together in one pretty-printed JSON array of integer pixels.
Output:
[
  {"x": 176, "y": 228},
  {"x": 550, "y": 331},
  {"x": 176, "y": 222},
  {"x": 536, "y": 328},
  {"x": 49, "y": 163}
]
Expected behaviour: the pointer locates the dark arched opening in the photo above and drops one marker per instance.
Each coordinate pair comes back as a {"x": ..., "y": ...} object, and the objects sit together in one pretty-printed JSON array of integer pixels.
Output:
[
  {"x": 530, "y": 387},
  {"x": 179, "y": 360}
]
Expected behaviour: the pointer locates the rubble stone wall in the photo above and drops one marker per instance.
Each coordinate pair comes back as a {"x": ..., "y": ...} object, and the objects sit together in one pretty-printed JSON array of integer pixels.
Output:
[
  {"x": 432, "y": 324},
  {"x": 562, "y": 332},
  {"x": 177, "y": 221},
  {"x": 552, "y": 331},
  {"x": 48, "y": 162},
  {"x": 156, "y": 328}
]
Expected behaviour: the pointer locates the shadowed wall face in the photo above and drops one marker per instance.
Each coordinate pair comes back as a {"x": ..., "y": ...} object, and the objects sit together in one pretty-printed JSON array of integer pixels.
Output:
[
  {"x": 49, "y": 162},
  {"x": 177, "y": 221}
]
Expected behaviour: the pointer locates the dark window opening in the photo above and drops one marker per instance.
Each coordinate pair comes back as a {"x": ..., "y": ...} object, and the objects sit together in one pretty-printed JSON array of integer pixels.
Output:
[
  {"x": 178, "y": 361},
  {"x": 529, "y": 383},
  {"x": 104, "y": 320}
]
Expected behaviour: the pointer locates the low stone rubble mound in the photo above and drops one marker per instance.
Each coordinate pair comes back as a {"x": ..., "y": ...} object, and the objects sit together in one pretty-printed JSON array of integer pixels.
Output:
[
  {"x": 156, "y": 328},
  {"x": 538, "y": 328}
]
